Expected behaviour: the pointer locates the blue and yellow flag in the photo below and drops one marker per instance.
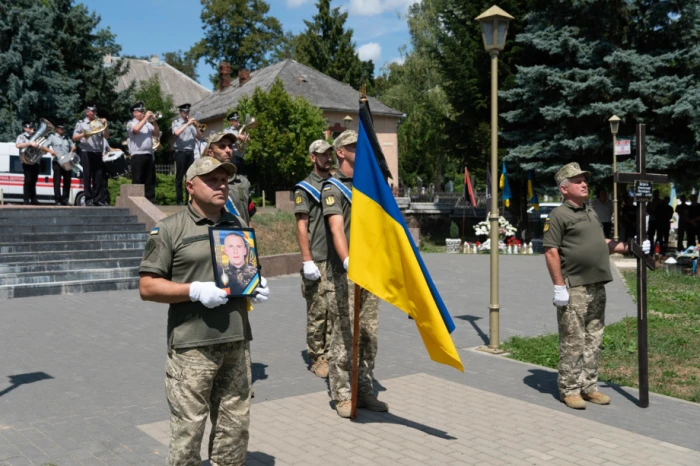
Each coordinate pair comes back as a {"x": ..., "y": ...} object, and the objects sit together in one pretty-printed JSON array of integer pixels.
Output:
[
  {"x": 385, "y": 261},
  {"x": 531, "y": 194},
  {"x": 504, "y": 186}
]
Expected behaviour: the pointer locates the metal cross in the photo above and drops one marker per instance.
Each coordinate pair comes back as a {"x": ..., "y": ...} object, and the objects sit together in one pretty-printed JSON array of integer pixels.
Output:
[{"x": 643, "y": 188}]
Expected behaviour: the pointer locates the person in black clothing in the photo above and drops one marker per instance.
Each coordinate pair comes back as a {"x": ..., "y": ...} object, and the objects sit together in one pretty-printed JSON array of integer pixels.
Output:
[
  {"x": 664, "y": 214},
  {"x": 693, "y": 220},
  {"x": 629, "y": 218}
]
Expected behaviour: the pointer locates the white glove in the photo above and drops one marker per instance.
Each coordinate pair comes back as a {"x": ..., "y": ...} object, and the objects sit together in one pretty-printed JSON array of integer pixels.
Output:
[
  {"x": 646, "y": 246},
  {"x": 561, "y": 295},
  {"x": 208, "y": 294},
  {"x": 311, "y": 271},
  {"x": 346, "y": 263},
  {"x": 262, "y": 292}
]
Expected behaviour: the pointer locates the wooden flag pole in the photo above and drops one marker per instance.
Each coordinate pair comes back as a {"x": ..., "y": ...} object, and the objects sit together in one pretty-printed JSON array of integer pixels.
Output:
[{"x": 355, "y": 352}]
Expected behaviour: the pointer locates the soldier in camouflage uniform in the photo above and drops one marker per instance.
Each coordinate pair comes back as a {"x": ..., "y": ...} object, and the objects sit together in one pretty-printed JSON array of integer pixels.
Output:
[
  {"x": 311, "y": 233},
  {"x": 336, "y": 199},
  {"x": 577, "y": 256},
  {"x": 207, "y": 370}
]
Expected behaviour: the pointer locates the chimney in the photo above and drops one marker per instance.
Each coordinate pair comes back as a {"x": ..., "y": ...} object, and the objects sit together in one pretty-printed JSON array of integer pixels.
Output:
[
  {"x": 224, "y": 75},
  {"x": 243, "y": 77},
  {"x": 155, "y": 60}
]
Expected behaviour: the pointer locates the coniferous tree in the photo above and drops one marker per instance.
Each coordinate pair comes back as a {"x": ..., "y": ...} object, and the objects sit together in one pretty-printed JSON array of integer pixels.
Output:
[
  {"x": 51, "y": 63},
  {"x": 327, "y": 46}
]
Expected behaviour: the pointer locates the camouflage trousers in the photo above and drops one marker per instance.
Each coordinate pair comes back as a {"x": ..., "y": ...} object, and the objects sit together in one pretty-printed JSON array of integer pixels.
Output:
[
  {"x": 209, "y": 380},
  {"x": 581, "y": 326},
  {"x": 319, "y": 321},
  {"x": 340, "y": 351}
]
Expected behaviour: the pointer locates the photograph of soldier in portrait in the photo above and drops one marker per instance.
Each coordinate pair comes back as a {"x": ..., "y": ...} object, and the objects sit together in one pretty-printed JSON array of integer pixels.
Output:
[{"x": 235, "y": 257}]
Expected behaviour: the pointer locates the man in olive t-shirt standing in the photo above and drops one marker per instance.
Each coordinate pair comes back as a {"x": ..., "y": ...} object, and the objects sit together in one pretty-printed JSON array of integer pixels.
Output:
[
  {"x": 311, "y": 233},
  {"x": 207, "y": 370},
  {"x": 577, "y": 255}
]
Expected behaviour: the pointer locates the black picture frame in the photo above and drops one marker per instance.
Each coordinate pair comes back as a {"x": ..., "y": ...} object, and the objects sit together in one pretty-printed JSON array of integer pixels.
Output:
[{"x": 241, "y": 281}]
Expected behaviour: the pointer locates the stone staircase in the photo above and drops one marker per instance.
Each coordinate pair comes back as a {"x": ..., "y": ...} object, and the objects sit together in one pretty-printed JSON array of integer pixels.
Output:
[{"x": 59, "y": 250}]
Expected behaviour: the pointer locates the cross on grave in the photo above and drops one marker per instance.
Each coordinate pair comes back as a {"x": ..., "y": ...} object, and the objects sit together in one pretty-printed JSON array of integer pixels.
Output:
[{"x": 643, "y": 188}]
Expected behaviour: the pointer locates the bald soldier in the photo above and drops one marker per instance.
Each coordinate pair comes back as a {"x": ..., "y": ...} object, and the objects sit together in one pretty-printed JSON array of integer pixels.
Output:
[
  {"x": 336, "y": 199},
  {"x": 577, "y": 255},
  {"x": 207, "y": 370},
  {"x": 311, "y": 233}
]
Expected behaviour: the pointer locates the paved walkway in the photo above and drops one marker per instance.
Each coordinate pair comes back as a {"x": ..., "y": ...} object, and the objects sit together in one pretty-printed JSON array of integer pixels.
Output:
[{"x": 81, "y": 383}]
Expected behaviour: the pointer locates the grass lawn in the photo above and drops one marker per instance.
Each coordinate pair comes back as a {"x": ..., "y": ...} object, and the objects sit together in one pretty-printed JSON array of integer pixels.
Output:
[
  {"x": 276, "y": 232},
  {"x": 674, "y": 340}
]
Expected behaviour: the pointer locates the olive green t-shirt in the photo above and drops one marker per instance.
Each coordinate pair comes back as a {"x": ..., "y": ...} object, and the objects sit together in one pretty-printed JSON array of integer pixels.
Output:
[
  {"x": 179, "y": 250},
  {"x": 304, "y": 203},
  {"x": 578, "y": 235},
  {"x": 239, "y": 192},
  {"x": 334, "y": 202}
]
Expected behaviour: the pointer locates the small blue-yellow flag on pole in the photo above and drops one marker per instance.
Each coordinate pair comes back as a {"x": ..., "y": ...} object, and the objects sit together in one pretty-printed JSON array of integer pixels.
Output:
[
  {"x": 531, "y": 194},
  {"x": 384, "y": 259},
  {"x": 505, "y": 186}
]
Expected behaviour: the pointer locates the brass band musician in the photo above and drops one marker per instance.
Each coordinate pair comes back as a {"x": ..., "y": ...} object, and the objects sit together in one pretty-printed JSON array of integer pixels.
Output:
[
  {"x": 142, "y": 129},
  {"x": 91, "y": 132},
  {"x": 31, "y": 171}
]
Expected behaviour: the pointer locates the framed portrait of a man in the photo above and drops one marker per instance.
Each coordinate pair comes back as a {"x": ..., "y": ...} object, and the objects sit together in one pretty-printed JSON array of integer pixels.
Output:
[{"x": 234, "y": 254}]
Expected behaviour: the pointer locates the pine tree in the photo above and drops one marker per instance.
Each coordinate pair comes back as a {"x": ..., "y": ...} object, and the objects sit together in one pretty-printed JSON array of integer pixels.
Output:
[
  {"x": 51, "y": 56},
  {"x": 237, "y": 31},
  {"x": 588, "y": 60},
  {"x": 327, "y": 46}
]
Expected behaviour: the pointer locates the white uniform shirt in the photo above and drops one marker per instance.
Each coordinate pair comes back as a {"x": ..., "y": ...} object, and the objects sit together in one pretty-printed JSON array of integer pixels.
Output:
[
  {"x": 187, "y": 139},
  {"x": 60, "y": 144},
  {"x": 604, "y": 210},
  {"x": 92, "y": 144},
  {"x": 141, "y": 143}
]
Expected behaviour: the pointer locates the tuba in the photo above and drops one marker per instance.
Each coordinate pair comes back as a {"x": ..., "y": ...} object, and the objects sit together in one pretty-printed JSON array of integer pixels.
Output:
[
  {"x": 250, "y": 123},
  {"x": 32, "y": 155},
  {"x": 96, "y": 127}
]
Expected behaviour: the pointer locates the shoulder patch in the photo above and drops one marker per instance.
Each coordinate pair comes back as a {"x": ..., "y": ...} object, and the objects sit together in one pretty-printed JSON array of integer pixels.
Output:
[
  {"x": 546, "y": 225},
  {"x": 297, "y": 199},
  {"x": 149, "y": 249},
  {"x": 330, "y": 200},
  {"x": 155, "y": 231}
]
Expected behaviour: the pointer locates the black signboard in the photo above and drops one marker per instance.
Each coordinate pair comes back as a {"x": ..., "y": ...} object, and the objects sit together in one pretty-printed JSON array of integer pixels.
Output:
[{"x": 642, "y": 190}]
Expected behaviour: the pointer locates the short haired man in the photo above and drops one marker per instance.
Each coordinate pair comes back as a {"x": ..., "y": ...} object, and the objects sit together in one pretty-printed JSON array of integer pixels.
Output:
[
  {"x": 91, "y": 156},
  {"x": 31, "y": 171},
  {"x": 221, "y": 146},
  {"x": 311, "y": 234},
  {"x": 336, "y": 199},
  {"x": 59, "y": 146},
  {"x": 141, "y": 133},
  {"x": 577, "y": 256},
  {"x": 237, "y": 273},
  {"x": 207, "y": 370},
  {"x": 187, "y": 134}
]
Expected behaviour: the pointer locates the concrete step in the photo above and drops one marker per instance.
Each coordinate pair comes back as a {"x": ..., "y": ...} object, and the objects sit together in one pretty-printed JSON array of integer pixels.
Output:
[
  {"x": 52, "y": 246},
  {"x": 61, "y": 230},
  {"x": 67, "y": 220},
  {"x": 85, "y": 276},
  {"x": 14, "y": 212},
  {"x": 68, "y": 255},
  {"x": 79, "y": 238},
  {"x": 108, "y": 284},
  {"x": 65, "y": 265}
]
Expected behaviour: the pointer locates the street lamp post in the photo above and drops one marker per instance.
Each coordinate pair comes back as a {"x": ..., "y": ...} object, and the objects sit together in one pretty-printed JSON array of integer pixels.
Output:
[
  {"x": 614, "y": 126},
  {"x": 347, "y": 121},
  {"x": 494, "y": 27}
]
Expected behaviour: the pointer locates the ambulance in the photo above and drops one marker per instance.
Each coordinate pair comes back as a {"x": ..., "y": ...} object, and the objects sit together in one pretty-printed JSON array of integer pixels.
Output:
[{"x": 12, "y": 179}]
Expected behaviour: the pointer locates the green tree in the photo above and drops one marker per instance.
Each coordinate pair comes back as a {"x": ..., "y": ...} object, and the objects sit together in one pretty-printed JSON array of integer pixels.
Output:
[
  {"x": 186, "y": 62},
  {"x": 327, "y": 46},
  {"x": 637, "y": 59},
  {"x": 237, "y": 31},
  {"x": 277, "y": 155},
  {"x": 286, "y": 49},
  {"x": 51, "y": 63},
  {"x": 155, "y": 100}
]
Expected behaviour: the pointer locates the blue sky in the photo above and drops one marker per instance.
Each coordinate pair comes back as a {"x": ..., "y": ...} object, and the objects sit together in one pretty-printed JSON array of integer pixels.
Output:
[{"x": 148, "y": 27}]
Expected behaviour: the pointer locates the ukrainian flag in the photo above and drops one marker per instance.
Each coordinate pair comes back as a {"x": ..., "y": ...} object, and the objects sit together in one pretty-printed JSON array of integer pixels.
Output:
[
  {"x": 505, "y": 186},
  {"x": 385, "y": 261},
  {"x": 531, "y": 194}
]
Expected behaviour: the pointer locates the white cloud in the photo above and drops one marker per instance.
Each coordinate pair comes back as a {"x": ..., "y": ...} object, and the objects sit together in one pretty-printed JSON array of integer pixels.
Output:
[
  {"x": 377, "y": 7},
  {"x": 370, "y": 51},
  {"x": 297, "y": 3},
  {"x": 398, "y": 60}
]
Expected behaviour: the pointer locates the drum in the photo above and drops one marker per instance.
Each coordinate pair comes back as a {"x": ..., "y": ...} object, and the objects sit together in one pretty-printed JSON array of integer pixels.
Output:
[{"x": 115, "y": 164}]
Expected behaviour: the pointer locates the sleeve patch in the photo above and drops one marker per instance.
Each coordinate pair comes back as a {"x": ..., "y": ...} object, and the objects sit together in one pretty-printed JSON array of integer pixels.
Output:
[
  {"x": 155, "y": 231},
  {"x": 149, "y": 250},
  {"x": 330, "y": 200},
  {"x": 546, "y": 225},
  {"x": 297, "y": 198}
]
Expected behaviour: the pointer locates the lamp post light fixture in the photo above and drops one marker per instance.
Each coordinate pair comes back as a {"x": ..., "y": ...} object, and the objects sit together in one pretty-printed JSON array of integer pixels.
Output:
[
  {"x": 614, "y": 127},
  {"x": 347, "y": 121},
  {"x": 494, "y": 28}
]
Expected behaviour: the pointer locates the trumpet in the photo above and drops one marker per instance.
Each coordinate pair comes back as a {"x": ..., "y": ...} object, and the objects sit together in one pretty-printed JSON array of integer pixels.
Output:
[
  {"x": 250, "y": 123},
  {"x": 156, "y": 116},
  {"x": 202, "y": 126}
]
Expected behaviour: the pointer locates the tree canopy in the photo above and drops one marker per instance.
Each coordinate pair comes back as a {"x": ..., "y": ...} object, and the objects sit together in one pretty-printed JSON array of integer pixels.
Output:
[{"x": 277, "y": 156}]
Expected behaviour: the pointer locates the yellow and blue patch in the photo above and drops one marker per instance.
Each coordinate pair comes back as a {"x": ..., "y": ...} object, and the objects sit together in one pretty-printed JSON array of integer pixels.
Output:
[{"x": 155, "y": 231}]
